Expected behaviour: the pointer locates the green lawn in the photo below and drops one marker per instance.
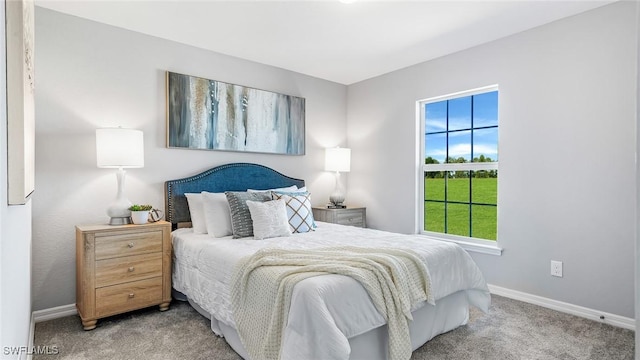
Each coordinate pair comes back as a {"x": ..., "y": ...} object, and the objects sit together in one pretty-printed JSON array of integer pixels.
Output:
[{"x": 483, "y": 217}]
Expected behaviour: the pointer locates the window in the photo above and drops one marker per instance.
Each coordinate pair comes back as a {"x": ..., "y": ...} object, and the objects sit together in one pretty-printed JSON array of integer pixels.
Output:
[{"x": 460, "y": 170}]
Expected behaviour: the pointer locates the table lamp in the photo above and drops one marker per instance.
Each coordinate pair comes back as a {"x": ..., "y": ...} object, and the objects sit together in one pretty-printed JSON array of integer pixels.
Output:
[
  {"x": 338, "y": 160},
  {"x": 119, "y": 148}
]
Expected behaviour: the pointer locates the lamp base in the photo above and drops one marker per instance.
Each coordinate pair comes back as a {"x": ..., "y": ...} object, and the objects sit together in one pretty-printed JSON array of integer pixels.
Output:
[
  {"x": 120, "y": 220},
  {"x": 338, "y": 206},
  {"x": 337, "y": 196},
  {"x": 118, "y": 210},
  {"x": 336, "y": 199}
]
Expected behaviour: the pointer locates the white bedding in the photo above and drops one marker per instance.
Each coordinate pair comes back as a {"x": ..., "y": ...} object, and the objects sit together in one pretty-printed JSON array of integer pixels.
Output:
[{"x": 335, "y": 306}]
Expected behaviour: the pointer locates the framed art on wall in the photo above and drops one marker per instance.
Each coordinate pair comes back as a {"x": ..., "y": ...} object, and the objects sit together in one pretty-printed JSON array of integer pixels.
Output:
[
  {"x": 20, "y": 101},
  {"x": 214, "y": 115}
]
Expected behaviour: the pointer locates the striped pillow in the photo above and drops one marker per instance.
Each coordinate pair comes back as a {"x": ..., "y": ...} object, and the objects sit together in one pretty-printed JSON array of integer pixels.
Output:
[{"x": 241, "y": 223}]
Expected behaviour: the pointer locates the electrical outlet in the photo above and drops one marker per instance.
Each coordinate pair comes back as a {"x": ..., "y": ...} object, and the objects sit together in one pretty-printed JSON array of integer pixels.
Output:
[{"x": 556, "y": 268}]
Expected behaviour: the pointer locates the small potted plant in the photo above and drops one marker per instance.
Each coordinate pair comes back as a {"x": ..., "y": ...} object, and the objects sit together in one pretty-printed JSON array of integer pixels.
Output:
[{"x": 140, "y": 213}]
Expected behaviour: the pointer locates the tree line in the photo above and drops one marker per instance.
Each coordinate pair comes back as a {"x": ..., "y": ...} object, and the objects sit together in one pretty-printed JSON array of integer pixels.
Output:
[{"x": 460, "y": 174}]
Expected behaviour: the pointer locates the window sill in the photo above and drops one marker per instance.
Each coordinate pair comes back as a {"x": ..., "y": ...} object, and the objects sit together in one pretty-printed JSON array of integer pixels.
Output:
[{"x": 469, "y": 244}]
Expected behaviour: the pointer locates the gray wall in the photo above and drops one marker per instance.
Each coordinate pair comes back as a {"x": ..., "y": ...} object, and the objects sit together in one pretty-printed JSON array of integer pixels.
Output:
[
  {"x": 15, "y": 239},
  {"x": 91, "y": 75},
  {"x": 567, "y": 183}
]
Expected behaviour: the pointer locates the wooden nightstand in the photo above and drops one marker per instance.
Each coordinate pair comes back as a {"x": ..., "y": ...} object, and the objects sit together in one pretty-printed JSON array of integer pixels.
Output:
[
  {"x": 354, "y": 216},
  {"x": 121, "y": 268}
]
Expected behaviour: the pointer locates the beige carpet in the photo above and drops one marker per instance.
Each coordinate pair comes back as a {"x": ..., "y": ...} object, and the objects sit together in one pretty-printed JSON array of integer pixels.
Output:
[{"x": 511, "y": 330}]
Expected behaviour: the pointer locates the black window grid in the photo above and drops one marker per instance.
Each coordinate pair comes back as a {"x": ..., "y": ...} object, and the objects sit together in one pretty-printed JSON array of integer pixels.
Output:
[{"x": 446, "y": 201}]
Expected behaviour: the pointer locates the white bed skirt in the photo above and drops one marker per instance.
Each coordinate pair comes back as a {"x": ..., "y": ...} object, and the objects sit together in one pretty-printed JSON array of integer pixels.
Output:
[{"x": 428, "y": 321}]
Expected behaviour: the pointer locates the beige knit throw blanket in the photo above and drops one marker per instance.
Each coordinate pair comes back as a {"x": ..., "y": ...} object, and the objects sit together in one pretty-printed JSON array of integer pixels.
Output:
[{"x": 395, "y": 279}]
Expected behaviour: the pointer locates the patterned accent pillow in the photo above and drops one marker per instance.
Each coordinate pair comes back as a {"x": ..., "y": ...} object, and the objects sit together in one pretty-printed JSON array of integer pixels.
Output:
[
  {"x": 241, "y": 223},
  {"x": 298, "y": 210},
  {"x": 269, "y": 219}
]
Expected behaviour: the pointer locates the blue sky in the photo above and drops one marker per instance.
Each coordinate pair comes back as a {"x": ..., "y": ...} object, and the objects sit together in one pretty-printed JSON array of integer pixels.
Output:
[{"x": 485, "y": 113}]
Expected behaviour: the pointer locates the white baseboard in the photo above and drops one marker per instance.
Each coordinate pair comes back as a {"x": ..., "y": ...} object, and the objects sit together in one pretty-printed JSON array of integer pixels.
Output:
[
  {"x": 54, "y": 313},
  {"x": 600, "y": 316}
]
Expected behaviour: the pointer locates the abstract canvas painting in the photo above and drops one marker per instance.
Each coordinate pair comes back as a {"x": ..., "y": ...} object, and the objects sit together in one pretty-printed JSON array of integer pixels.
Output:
[
  {"x": 20, "y": 101},
  {"x": 214, "y": 115}
]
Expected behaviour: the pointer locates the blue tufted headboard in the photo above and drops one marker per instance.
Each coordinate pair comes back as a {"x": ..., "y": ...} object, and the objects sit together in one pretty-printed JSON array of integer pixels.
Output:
[{"x": 229, "y": 177}]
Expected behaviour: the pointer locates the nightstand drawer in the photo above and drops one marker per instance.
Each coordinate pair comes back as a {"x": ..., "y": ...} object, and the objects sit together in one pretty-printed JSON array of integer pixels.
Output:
[
  {"x": 353, "y": 216},
  {"x": 350, "y": 217},
  {"x": 130, "y": 268},
  {"x": 129, "y": 296},
  {"x": 116, "y": 245}
]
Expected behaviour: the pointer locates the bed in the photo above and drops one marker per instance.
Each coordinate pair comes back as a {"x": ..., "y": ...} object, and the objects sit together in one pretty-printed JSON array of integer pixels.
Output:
[{"x": 330, "y": 316}]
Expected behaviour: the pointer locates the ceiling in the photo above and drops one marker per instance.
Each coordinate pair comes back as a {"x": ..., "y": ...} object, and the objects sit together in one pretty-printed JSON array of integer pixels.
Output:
[{"x": 344, "y": 43}]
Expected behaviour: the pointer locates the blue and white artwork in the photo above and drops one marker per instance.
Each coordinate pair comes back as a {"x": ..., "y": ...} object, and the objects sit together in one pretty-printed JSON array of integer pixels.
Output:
[{"x": 213, "y": 115}]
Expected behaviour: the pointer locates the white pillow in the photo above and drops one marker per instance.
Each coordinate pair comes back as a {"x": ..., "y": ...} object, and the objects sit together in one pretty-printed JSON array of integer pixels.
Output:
[
  {"x": 288, "y": 188},
  {"x": 269, "y": 219},
  {"x": 196, "y": 210},
  {"x": 216, "y": 214}
]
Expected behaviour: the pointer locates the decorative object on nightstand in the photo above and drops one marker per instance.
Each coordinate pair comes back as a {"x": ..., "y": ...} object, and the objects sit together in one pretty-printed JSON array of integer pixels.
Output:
[
  {"x": 121, "y": 268},
  {"x": 140, "y": 213},
  {"x": 155, "y": 215},
  {"x": 354, "y": 216},
  {"x": 338, "y": 160},
  {"x": 119, "y": 148}
]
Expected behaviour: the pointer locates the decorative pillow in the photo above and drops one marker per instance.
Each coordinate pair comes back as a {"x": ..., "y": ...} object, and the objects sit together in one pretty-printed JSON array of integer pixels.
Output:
[
  {"x": 284, "y": 189},
  {"x": 196, "y": 209},
  {"x": 298, "y": 210},
  {"x": 240, "y": 216},
  {"x": 216, "y": 214},
  {"x": 269, "y": 219}
]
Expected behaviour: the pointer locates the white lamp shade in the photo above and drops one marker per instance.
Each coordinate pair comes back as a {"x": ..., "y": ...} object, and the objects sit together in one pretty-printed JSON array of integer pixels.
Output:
[
  {"x": 116, "y": 148},
  {"x": 337, "y": 159}
]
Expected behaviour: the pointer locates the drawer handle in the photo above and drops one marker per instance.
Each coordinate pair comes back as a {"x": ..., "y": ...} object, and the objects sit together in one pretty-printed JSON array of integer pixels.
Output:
[
  {"x": 131, "y": 295},
  {"x": 130, "y": 245},
  {"x": 131, "y": 269}
]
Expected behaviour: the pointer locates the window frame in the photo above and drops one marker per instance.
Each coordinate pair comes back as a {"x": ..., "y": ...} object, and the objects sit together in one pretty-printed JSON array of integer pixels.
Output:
[{"x": 469, "y": 243}]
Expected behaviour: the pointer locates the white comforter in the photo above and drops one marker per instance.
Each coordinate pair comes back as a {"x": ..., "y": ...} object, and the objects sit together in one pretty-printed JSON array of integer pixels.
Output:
[{"x": 325, "y": 310}]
